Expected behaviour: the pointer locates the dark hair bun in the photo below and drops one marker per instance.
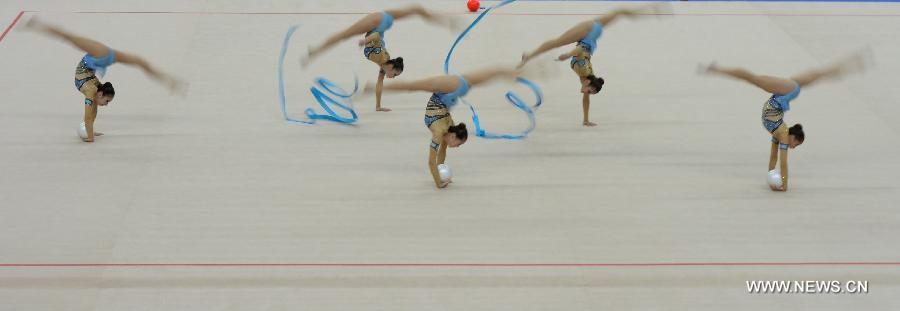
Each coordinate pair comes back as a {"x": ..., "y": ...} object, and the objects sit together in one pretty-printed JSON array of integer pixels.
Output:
[
  {"x": 397, "y": 63},
  {"x": 107, "y": 89},
  {"x": 797, "y": 131},
  {"x": 596, "y": 82},
  {"x": 459, "y": 130}
]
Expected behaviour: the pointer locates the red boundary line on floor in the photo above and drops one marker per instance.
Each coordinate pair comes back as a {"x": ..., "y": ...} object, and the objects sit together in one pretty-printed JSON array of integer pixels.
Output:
[
  {"x": 467, "y": 13},
  {"x": 456, "y": 265},
  {"x": 13, "y": 24}
]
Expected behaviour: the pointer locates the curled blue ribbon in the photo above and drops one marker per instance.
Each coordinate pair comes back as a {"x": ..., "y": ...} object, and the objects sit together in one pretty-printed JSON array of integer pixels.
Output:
[
  {"x": 510, "y": 96},
  {"x": 321, "y": 97},
  {"x": 518, "y": 103}
]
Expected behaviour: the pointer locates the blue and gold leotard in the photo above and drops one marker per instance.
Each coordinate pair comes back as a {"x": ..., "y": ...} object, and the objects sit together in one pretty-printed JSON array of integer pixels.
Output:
[
  {"x": 437, "y": 112},
  {"x": 775, "y": 107},
  {"x": 584, "y": 49},
  {"x": 375, "y": 47},
  {"x": 86, "y": 73}
]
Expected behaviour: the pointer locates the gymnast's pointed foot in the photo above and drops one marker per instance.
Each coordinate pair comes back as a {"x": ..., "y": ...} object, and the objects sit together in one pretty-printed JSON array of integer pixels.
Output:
[
  {"x": 307, "y": 59},
  {"x": 33, "y": 23},
  {"x": 707, "y": 68}
]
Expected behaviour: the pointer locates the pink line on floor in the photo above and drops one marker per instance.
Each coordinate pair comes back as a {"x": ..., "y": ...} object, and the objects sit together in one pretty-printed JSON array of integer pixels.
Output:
[{"x": 10, "y": 27}]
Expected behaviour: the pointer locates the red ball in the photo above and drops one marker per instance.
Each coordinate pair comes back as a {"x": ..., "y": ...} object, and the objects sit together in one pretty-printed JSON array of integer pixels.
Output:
[{"x": 473, "y": 5}]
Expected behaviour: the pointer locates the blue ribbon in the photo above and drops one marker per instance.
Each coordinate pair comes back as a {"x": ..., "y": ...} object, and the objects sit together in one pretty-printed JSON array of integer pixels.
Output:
[
  {"x": 510, "y": 96},
  {"x": 321, "y": 97}
]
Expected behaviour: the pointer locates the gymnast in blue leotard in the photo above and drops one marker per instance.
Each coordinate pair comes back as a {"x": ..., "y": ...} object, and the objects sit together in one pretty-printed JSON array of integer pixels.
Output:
[
  {"x": 93, "y": 66},
  {"x": 585, "y": 36},
  {"x": 374, "y": 26},
  {"x": 783, "y": 91},
  {"x": 446, "y": 92}
]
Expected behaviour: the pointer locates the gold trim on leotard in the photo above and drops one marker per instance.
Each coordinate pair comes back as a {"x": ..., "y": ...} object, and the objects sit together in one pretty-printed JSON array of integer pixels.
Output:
[{"x": 581, "y": 61}]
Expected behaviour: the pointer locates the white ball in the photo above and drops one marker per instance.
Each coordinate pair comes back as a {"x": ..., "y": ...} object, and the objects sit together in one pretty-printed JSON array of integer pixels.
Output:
[
  {"x": 444, "y": 172},
  {"x": 82, "y": 131},
  {"x": 775, "y": 178}
]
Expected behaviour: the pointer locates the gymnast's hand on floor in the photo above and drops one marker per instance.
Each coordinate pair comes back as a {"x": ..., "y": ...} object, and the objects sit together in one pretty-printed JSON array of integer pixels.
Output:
[{"x": 443, "y": 184}]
